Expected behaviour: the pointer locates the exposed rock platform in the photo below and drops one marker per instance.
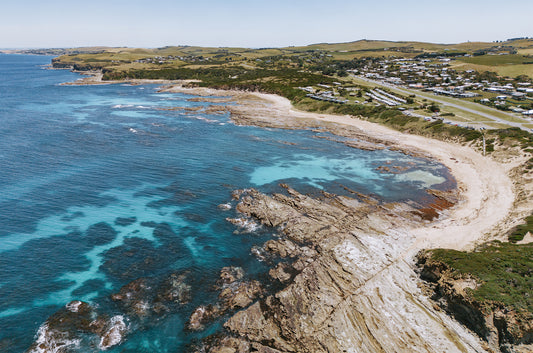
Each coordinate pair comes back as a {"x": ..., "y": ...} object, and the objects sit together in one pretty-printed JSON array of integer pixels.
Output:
[{"x": 348, "y": 282}]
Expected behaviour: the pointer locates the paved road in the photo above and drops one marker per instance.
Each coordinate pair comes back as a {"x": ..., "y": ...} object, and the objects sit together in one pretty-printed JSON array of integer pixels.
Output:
[{"x": 458, "y": 106}]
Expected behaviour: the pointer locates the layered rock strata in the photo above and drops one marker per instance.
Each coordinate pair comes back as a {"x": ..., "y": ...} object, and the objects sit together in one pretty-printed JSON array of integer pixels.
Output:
[
  {"x": 348, "y": 282},
  {"x": 502, "y": 327}
]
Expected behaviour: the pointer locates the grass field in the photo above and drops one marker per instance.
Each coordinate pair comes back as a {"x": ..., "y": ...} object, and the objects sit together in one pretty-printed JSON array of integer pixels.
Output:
[
  {"x": 511, "y": 70},
  {"x": 496, "y": 60},
  {"x": 463, "y": 116},
  {"x": 528, "y": 51},
  {"x": 378, "y": 44}
]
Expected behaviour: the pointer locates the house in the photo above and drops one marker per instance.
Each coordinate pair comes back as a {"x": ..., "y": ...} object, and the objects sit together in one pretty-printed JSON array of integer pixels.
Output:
[{"x": 519, "y": 95}]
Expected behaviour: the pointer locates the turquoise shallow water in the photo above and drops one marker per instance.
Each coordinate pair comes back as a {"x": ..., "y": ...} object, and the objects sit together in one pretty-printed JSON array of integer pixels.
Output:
[{"x": 100, "y": 186}]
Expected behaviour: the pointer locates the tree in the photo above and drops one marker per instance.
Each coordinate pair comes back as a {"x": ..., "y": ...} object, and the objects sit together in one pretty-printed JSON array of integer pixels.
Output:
[
  {"x": 434, "y": 108},
  {"x": 342, "y": 73}
]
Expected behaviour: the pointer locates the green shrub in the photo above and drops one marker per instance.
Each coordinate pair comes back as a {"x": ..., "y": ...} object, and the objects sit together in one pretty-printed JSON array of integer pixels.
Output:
[{"x": 503, "y": 270}]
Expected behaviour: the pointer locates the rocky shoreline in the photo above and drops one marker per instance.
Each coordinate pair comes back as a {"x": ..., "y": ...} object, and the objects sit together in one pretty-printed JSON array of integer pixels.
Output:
[
  {"x": 502, "y": 327},
  {"x": 348, "y": 283},
  {"x": 388, "y": 311}
]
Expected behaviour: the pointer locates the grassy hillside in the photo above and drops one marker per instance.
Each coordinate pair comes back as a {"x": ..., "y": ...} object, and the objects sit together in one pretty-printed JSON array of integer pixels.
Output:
[{"x": 516, "y": 60}]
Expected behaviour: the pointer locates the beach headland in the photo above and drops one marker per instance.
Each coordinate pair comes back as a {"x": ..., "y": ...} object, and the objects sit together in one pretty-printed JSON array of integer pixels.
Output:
[{"x": 348, "y": 280}]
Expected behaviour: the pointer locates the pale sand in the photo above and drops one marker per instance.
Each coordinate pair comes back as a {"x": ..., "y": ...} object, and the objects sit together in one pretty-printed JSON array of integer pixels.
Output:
[{"x": 486, "y": 187}]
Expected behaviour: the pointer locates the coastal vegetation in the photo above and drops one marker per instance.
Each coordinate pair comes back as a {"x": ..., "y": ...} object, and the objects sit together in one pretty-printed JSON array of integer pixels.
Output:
[
  {"x": 488, "y": 289},
  {"x": 503, "y": 273},
  {"x": 283, "y": 82},
  {"x": 518, "y": 233}
]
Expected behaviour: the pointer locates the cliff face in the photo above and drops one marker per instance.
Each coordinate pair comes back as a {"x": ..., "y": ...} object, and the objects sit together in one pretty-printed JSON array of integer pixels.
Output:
[
  {"x": 63, "y": 63},
  {"x": 502, "y": 327},
  {"x": 346, "y": 286},
  {"x": 58, "y": 64}
]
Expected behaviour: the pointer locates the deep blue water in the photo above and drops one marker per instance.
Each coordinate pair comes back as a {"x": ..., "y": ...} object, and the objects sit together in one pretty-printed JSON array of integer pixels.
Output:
[{"x": 77, "y": 161}]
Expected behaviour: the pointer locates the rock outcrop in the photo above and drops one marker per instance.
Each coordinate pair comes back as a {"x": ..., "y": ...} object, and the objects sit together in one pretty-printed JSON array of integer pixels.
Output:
[
  {"x": 234, "y": 293},
  {"x": 503, "y": 328},
  {"x": 144, "y": 298},
  {"x": 347, "y": 282},
  {"x": 77, "y": 322}
]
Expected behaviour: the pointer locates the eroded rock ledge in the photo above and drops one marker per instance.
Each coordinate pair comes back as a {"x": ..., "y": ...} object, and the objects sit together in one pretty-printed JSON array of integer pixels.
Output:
[
  {"x": 348, "y": 283},
  {"x": 502, "y": 327}
]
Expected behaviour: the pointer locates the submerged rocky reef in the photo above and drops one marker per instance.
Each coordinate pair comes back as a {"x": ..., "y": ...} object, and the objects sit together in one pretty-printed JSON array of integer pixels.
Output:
[{"x": 342, "y": 279}]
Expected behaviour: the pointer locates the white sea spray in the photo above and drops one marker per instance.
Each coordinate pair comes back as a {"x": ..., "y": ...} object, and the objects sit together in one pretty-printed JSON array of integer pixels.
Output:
[
  {"x": 50, "y": 341},
  {"x": 115, "y": 333}
]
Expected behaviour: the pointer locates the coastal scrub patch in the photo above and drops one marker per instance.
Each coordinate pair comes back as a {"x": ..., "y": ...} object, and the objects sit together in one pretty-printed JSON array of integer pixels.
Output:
[
  {"x": 503, "y": 270},
  {"x": 488, "y": 290}
]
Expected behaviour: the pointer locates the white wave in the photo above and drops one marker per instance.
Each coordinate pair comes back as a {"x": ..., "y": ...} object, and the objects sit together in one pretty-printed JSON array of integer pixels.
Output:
[
  {"x": 206, "y": 120},
  {"x": 225, "y": 206},
  {"x": 246, "y": 225},
  {"x": 49, "y": 341},
  {"x": 115, "y": 334},
  {"x": 259, "y": 253},
  {"x": 120, "y": 106},
  {"x": 133, "y": 130},
  {"x": 74, "y": 306}
]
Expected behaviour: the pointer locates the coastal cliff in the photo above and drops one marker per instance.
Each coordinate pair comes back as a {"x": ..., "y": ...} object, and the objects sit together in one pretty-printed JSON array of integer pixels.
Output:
[{"x": 505, "y": 326}]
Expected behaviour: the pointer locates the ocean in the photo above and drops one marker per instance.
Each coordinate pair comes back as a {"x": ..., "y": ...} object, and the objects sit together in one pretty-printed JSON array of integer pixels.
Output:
[{"x": 108, "y": 184}]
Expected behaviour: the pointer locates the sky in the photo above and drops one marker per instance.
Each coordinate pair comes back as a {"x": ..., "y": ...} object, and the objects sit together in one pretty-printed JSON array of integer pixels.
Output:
[{"x": 257, "y": 24}]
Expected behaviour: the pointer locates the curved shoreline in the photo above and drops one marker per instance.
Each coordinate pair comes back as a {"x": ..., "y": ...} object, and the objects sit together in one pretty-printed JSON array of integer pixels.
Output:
[{"x": 486, "y": 188}]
